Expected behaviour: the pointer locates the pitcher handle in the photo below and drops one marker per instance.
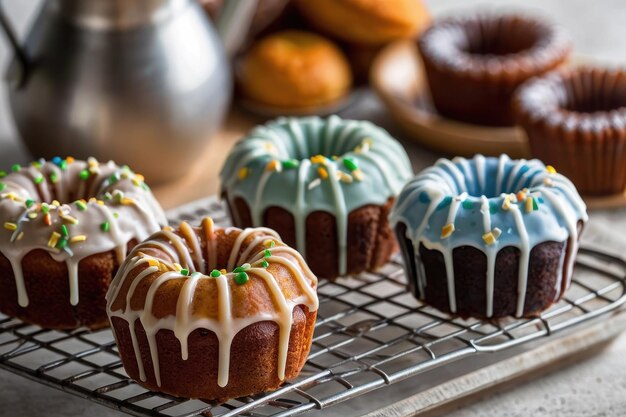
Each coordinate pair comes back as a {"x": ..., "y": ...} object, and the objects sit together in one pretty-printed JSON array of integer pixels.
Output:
[
  {"x": 233, "y": 23},
  {"x": 17, "y": 71}
]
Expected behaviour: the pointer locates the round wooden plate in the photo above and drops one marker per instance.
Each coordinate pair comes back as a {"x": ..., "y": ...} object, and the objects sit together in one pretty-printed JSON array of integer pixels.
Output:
[{"x": 398, "y": 78}]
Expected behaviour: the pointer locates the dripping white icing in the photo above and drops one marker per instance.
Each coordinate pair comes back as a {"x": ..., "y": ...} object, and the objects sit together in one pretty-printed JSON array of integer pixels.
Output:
[{"x": 226, "y": 326}]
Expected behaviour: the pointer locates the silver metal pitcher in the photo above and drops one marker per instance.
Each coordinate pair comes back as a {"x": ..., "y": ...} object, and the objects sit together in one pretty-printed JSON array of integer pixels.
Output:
[{"x": 142, "y": 82}]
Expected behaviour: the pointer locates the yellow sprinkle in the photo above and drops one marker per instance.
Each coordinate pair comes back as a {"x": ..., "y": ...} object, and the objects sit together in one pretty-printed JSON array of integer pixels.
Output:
[
  {"x": 69, "y": 219},
  {"x": 69, "y": 160},
  {"x": 153, "y": 262},
  {"x": 54, "y": 239},
  {"x": 506, "y": 204},
  {"x": 10, "y": 226},
  {"x": 91, "y": 161},
  {"x": 140, "y": 177},
  {"x": 447, "y": 230},
  {"x": 357, "y": 174},
  {"x": 177, "y": 266},
  {"x": 529, "y": 205},
  {"x": 489, "y": 238},
  {"x": 79, "y": 238},
  {"x": 368, "y": 141},
  {"x": 32, "y": 215},
  {"x": 126, "y": 201},
  {"x": 551, "y": 169},
  {"x": 223, "y": 271},
  {"x": 322, "y": 173},
  {"x": 243, "y": 173},
  {"x": 56, "y": 203},
  {"x": 318, "y": 159},
  {"x": 135, "y": 182},
  {"x": 273, "y": 165},
  {"x": 168, "y": 228},
  {"x": 100, "y": 203},
  {"x": 343, "y": 177},
  {"x": 269, "y": 243},
  {"x": 20, "y": 236},
  {"x": 93, "y": 200}
]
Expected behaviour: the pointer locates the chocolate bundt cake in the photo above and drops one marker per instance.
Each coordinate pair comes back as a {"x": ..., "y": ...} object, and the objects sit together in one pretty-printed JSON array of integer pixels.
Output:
[
  {"x": 66, "y": 227},
  {"x": 575, "y": 119},
  {"x": 489, "y": 237},
  {"x": 213, "y": 313},
  {"x": 325, "y": 185},
  {"x": 474, "y": 63}
]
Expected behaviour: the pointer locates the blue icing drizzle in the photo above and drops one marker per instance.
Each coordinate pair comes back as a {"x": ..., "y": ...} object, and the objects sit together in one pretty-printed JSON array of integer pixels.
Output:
[
  {"x": 473, "y": 202},
  {"x": 382, "y": 170}
]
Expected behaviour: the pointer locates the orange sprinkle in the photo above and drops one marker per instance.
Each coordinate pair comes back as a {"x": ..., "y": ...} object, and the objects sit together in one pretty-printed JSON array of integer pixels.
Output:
[
  {"x": 69, "y": 160},
  {"x": 521, "y": 196},
  {"x": 318, "y": 159},
  {"x": 447, "y": 230},
  {"x": 223, "y": 271},
  {"x": 322, "y": 173},
  {"x": 273, "y": 165},
  {"x": 47, "y": 219},
  {"x": 243, "y": 173}
]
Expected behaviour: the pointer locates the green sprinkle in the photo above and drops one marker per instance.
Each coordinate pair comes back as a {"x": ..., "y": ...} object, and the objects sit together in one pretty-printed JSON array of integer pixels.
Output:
[
  {"x": 63, "y": 165},
  {"x": 116, "y": 215},
  {"x": 2, "y": 186},
  {"x": 145, "y": 186},
  {"x": 36, "y": 164},
  {"x": 62, "y": 243},
  {"x": 265, "y": 264},
  {"x": 3, "y": 173},
  {"x": 535, "y": 205},
  {"x": 54, "y": 178},
  {"x": 241, "y": 278},
  {"x": 272, "y": 243},
  {"x": 115, "y": 177},
  {"x": 64, "y": 231},
  {"x": 29, "y": 203},
  {"x": 268, "y": 253},
  {"x": 45, "y": 208},
  {"x": 215, "y": 273},
  {"x": 105, "y": 227},
  {"x": 16, "y": 168},
  {"x": 84, "y": 175},
  {"x": 467, "y": 205},
  {"x": 350, "y": 164},
  {"x": 493, "y": 208},
  {"x": 39, "y": 180},
  {"x": 184, "y": 272},
  {"x": 239, "y": 269},
  {"x": 81, "y": 206},
  {"x": 290, "y": 163}
]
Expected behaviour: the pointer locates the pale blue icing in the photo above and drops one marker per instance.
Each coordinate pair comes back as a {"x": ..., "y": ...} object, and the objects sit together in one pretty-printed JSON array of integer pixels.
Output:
[
  {"x": 477, "y": 188},
  {"x": 384, "y": 165}
]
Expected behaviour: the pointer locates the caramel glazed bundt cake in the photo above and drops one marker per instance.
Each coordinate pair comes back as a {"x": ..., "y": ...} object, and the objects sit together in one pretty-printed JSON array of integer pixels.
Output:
[
  {"x": 213, "y": 313},
  {"x": 489, "y": 237},
  {"x": 66, "y": 227},
  {"x": 325, "y": 185}
]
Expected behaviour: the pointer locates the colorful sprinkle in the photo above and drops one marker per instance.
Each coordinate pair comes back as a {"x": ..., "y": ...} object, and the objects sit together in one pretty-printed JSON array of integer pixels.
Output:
[
  {"x": 467, "y": 204},
  {"x": 223, "y": 271},
  {"x": 47, "y": 219},
  {"x": 184, "y": 272},
  {"x": 54, "y": 178},
  {"x": 316, "y": 182},
  {"x": 493, "y": 208},
  {"x": 38, "y": 180},
  {"x": 291, "y": 163},
  {"x": 61, "y": 244},
  {"x": 32, "y": 215},
  {"x": 3, "y": 174},
  {"x": 269, "y": 243},
  {"x": 69, "y": 219},
  {"x": 241, "y": 278},
  {"x": 521, "y": 196},
  {"x": 63, "y": 165},
  {"x": 274, "y": 165},
  {"x": 238, "y": 269},
  {"x": 64, "y": 230},
  {"x": 265, "y": 264},
  {"x": 550, "y": 169},
  {"x": 496, "y": 232},
  {"x": 350, "y": 164},
  {"x": 81, "y": 205},
  {"x": 343, "y": 177},
  {"x": 2, "y": 186},
  {"x": 424, "y": 198},
  {"x": 529, "y": 204},
  {"x": 318, "y": 159},
  {"x": 357, "y": 174},
  {"x": 267, "y": 253},
  {"x": 84, "y": 175},
  {"x": 322, "y": 173},
  {"x": 243, "y": 173},
  {"x": 54, "y": 239},
  {"x": 70, "y": 160},
  {"x": 10, "y": 226},
  {"x": 506, "y": 203},
  {"x": 447, "y": 230},
  {"x": 56, "y": 160},
  {"x": 153, "y": 262},
  {"x": 445, "y": 202},
  {"x": 105, "y": 227},
  {"x": 489, "y": 238},
  {"x": 16, "y": 168},
  {"x": 78, "y": 238},
  {"x": 125, "y": 201},
  {"x": 215, "y": 273}
]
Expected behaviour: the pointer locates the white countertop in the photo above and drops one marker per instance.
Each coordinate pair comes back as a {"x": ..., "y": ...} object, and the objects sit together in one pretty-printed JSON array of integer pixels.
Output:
[{"x": 596, "y": 387}]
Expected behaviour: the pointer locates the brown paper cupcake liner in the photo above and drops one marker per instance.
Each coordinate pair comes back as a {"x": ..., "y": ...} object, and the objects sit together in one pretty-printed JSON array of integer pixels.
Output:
[{"x": 576, "y": 120}]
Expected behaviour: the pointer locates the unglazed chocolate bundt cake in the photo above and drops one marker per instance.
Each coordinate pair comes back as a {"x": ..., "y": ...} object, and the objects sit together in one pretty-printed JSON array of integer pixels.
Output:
[
  {"x": 213, "y": 313},
  {"x": 575, "y": 119},
  {"x": 474, "y": 63},
  {"x": 325, "y": 185},
  {"x": 66, "y": 227},
  {"x": 489, "y": 237}
]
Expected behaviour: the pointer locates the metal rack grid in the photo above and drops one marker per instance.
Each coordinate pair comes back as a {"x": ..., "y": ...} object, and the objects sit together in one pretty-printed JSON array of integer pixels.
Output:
[{"x": 370, "y": 333}]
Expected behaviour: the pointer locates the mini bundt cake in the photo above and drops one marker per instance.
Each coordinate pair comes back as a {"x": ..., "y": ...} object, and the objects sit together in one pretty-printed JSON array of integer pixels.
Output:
[
  {"x": 325, "y": 185},
  {"x": 66, "y": 228},
  {"x": 575, "y": 119},
  {"x": 474, "y": 63},
  {"x": 213, "y": 313},
  {"x": 296, "y": 70},
  {"x": 489, "y": 237}
]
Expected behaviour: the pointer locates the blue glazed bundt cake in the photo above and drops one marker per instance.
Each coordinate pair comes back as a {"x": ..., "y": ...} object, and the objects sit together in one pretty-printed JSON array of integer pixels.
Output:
[
  {"x": 325, "y": 185},
  {"x": 489, "y": 237}
]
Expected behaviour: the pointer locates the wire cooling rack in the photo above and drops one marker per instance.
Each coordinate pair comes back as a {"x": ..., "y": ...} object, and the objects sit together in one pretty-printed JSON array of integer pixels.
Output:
[{"x": 370, "y": 333}]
